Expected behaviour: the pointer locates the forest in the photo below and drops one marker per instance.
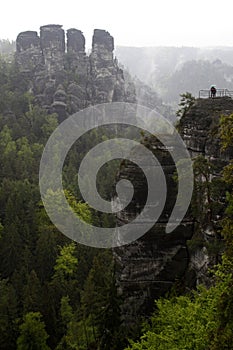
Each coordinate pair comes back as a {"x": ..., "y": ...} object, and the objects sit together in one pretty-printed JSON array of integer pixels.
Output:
[
  {"x": 58, "y": 294},
  {"x": 54, "y": 293}
]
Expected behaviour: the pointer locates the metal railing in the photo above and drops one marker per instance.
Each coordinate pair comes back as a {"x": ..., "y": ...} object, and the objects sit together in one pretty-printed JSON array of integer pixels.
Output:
[{"x": 219, "y": 93}]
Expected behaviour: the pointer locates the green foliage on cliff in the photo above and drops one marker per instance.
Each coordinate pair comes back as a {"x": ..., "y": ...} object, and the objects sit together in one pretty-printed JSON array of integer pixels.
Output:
[
  {"x": 186, "y": 102},
  {"x": 226, "y": 131}
]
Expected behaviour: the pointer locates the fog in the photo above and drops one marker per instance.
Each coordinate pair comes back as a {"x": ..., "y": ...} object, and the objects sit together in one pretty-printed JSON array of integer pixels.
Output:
[{"x": 132, "y": 23}]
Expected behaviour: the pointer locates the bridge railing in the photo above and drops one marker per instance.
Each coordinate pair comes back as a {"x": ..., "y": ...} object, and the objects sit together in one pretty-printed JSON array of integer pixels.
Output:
[{"x": 219, "y": 93}]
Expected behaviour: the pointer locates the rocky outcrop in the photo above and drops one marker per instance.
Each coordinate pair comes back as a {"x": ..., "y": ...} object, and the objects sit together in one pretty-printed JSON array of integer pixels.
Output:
[
  {"x": 52, "y": 41},
  {"x": 62, "y": 77},
  {"x": 103, "y": 68},
  {"x": 29, "y": 53},
  {"x": 150, "y": 266},
  {"x": 199, "y": 128}
]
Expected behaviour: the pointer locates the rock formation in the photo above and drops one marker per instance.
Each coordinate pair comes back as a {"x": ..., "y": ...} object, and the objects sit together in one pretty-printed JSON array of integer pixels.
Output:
[
  {"x": 199, "y": 130},
  {"x": 198, "y": 127},
  {"x": 150, "y": 266},
  {"x": 62, "y": 77},
  {"x": 52, "y": 41}
]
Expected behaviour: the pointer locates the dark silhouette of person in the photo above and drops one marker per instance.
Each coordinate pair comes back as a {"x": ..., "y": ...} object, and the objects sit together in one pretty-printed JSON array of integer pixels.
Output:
[{"x": 213, "y": 91}]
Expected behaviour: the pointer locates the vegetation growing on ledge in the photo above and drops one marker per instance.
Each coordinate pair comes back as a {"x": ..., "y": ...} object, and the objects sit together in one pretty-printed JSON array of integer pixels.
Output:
[{"x": 186, "y": 102}]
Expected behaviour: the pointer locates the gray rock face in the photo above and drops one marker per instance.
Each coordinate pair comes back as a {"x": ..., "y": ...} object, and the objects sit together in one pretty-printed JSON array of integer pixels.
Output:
[
  {"x": 198, "y": 127},
  {"x": 107, "y": 77},
  {"x": 29, "y": 53},
  {"x": 65, "y": 80},
  {"x": 75, "y": 41},
  {"x": 199, "y": 130},
  {"x": 149, "y": 267},
  {"x": 27, "y": 40},
  {"x": 52, "y": 39},
  {"x": 104, "y": 39},
  {"x": 77, "y": 62}
]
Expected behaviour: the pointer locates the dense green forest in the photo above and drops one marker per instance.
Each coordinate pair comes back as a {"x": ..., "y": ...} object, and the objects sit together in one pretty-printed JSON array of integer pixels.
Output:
[
  {"x": 54, "y": 293},
  {"x": 57, "y": 294}
]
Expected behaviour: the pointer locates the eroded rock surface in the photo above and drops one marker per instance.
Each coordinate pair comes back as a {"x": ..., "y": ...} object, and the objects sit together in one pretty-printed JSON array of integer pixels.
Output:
[
  {"x": 199, "y": 129},
  {"x": 150, "y": 266},
  {"x": 62, "y": 77}
]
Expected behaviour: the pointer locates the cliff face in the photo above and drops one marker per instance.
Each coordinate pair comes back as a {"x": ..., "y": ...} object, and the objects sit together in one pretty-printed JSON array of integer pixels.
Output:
[
  {"x": 199, "y": 125},
  {"x": 199, "y": 129},
  {"x": 149, "y": 267},
  {"x": 62, "y": 77}
]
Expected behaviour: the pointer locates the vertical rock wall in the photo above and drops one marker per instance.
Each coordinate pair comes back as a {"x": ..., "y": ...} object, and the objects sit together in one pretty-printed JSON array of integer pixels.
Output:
[
  {"x": 52, "y": 41},
  {"x": 199, "y": 129},
  {"x": 104, "y": 68},
  {"x": 150, "y": 266},
  {"x": 29, "y": 53}
]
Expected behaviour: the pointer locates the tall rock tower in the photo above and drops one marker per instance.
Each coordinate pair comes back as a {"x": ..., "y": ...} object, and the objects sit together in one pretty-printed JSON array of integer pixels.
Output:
[{"x": 52, "y": 41}]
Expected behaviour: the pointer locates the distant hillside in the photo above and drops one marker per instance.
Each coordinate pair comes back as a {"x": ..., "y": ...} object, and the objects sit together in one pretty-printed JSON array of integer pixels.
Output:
[{"x": 172, "y": 70}]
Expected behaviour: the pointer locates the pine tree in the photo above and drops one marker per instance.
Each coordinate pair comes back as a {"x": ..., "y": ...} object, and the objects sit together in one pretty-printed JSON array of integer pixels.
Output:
[
  {"x": 33, "y": 335},
  {"x": 8, "y": 316}
]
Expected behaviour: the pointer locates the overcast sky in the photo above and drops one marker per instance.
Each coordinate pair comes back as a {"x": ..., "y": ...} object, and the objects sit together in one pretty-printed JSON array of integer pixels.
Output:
[{"x": 131, "y": 22}]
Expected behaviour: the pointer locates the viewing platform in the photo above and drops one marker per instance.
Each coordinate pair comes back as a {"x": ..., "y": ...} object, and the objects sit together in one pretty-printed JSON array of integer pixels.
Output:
[{"x": 219, "y": 93}]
